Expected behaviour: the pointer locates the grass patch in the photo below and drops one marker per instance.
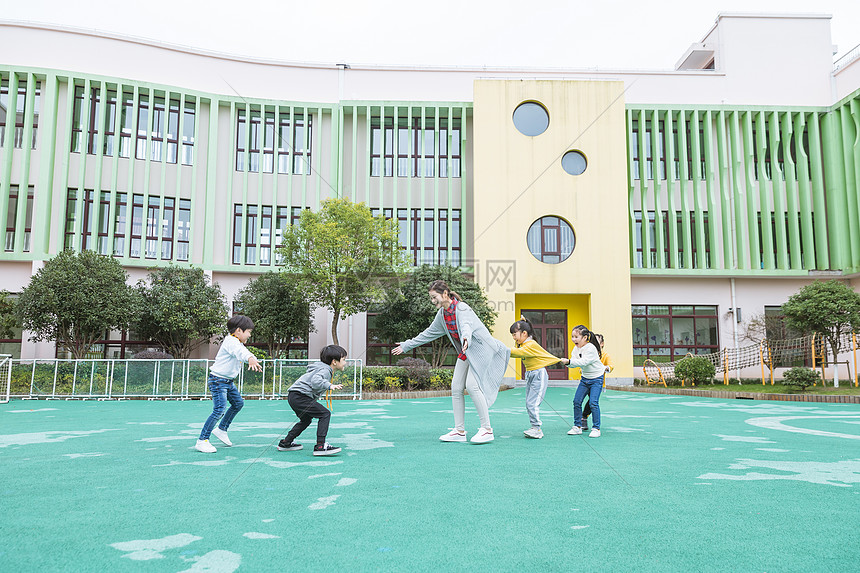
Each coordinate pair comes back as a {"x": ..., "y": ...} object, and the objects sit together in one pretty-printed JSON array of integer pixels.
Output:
[{"x": 846, "y": 388}]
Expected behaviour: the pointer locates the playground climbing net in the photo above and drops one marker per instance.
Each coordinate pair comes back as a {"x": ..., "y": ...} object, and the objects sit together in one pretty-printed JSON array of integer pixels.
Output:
[{"x": 812, "y": 349}]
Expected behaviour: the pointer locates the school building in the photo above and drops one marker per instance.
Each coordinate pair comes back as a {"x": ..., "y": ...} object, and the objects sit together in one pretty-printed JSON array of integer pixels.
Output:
[{"x": 662, "y": 208}]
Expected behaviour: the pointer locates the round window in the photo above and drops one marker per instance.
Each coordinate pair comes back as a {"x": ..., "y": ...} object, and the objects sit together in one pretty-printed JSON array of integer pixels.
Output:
[
  {"x": 574, "y": 162},
  {"x": 551, "y": 239},
  {"x": 531, "y": 118}
]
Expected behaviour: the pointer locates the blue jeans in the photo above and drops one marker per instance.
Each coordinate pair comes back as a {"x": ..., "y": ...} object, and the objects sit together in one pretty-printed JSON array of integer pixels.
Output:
[
  {"x": 592, "y": 387},
  {"x": 223, "y": 391}
]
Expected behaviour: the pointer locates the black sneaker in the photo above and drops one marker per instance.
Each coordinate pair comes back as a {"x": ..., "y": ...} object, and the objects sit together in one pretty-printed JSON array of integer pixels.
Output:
[
  {"x": 325, "y": 450},
  {"x": 291, "y": 447}
]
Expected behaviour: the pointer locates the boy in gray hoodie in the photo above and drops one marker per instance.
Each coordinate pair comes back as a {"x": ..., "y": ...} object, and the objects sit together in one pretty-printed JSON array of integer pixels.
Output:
[{"x": 303, "y": 398}]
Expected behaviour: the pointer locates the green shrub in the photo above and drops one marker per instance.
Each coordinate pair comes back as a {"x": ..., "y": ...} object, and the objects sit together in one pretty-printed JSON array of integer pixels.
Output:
[
  {"x": 695, "y": 369},
  {"x": 801, "y": 377},
  {"x": 440, "y": 378},
  {"x": 417, "y": 372},
  {"x": 258, "y": 353},
  {"x": 393, "y": 383}
]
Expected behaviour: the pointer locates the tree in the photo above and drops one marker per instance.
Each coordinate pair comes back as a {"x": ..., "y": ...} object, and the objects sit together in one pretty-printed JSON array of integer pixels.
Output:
[
  {"x": 343, "y": 258},
  {"x": 180, "y": 309},
  {"x": 280, "y": 311},
  {"x": 75, "y": 299},
  {"x": 763, "y": 327},
  {"x": 829, "y": 309},
  {"x": 412, "y": 312},
  {"x": 9, "y": 321}
]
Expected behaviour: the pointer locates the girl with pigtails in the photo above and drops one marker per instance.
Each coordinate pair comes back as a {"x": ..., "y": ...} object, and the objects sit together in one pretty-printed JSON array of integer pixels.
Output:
[
  {"x": 586, "y": 355},
  {"x": 535, "y": 360}
]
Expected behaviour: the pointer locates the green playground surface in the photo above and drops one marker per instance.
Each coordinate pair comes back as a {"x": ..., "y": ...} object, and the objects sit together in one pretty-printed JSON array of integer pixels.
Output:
[{"x": 675, "y": 483}]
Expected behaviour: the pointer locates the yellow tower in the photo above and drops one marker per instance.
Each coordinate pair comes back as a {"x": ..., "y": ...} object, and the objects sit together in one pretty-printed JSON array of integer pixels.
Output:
[{"x": 551, "y": 211}]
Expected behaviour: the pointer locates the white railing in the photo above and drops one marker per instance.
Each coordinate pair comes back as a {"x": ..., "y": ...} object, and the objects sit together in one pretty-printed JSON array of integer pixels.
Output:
[
  {"x": 843, "y": 61},
  {"x": 5, "y": 376},
  {"x": 107, "y": 379}
]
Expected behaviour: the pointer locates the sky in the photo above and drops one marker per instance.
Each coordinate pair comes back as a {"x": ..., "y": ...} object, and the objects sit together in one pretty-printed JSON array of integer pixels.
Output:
[{"x": 573, "y": 34}]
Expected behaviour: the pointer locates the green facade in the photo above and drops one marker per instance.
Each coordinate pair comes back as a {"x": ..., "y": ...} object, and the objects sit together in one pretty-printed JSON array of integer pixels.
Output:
[{"x": 713, "y": 190}]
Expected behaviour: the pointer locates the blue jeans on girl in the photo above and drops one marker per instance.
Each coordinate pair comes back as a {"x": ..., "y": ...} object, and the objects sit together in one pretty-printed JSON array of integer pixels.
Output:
[
  {"x": 223, "y": 391},
  {"x": 591, "y": 387}
]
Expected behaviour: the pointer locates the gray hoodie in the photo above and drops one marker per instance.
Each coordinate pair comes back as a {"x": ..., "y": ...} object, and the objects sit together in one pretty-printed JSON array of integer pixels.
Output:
[{"x": 313, "y": 382}]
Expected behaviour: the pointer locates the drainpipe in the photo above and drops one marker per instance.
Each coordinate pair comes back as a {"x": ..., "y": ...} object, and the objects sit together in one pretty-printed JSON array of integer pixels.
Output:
[{"x": 735, "y": 325}]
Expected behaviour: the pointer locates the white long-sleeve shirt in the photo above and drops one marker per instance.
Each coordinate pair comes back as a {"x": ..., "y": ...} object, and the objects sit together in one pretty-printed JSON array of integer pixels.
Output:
[
  {"x": 586, "y": 358},
  {"x": 230, "y": 357}
]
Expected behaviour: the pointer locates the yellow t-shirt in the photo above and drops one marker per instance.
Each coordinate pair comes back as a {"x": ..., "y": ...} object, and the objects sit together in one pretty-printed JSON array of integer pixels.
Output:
[
  {"x": 533, "y": 354},
  {"x": 607, "y": 361}
]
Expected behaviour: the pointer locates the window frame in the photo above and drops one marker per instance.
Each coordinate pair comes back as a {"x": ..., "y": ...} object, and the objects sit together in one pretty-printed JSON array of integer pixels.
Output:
[{"x": 670, "y": 344}]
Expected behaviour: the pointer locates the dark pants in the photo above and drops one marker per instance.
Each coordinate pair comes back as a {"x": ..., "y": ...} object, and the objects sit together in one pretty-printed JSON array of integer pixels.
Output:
[{"x": 306, "y": 408}]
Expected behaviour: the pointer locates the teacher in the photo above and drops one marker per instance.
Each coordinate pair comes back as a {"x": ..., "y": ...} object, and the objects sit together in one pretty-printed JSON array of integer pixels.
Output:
[{"x": 481, "y": 361}]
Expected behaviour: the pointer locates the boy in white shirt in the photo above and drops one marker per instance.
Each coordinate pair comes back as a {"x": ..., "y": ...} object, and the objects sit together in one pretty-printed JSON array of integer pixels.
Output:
[{"x": 228, "y": 364}]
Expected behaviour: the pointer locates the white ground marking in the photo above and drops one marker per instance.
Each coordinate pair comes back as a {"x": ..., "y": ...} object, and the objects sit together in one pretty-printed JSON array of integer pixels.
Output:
[
  {"x": 218, "y": 561},
  {"x": 268, "y": 520},
  {"x": 145, "y": 549},
  {"x": 633, "y": 397},
  {"x": 348, "y": 425},
  {"x": 717, "y": 449},
  {"x": 777, "y": 424},
  {"x": 779, "y": 450},
  {"x": 255, "y": 535},
  {"x": 242, "y": 426},
  {"x": 345, "y": 481},
  {"x": 579, "y": 526},
  {"x": 750, "y": 439},
  {"x": 204, "y": 463},
  {"x": 323, "y": 502},
  {"x": 366, "y": 412},
  {"x": 623, "y": 429},
  {"x": 392, "y": 417},
  {"x": 87, "y": 455},
  {"x": 26, "y": 411},
  {"x": 363, "y": 442},
  {"x": 840, "y": 474},
  {"x": 324, "y": 475},
  {"x": 47, "y": 437},
  {"x": 164, "y": 439},
  {"x": 153, "y": 423},
  {"x": 286, "y": 465},
  {"x": 772, "y": 409}
]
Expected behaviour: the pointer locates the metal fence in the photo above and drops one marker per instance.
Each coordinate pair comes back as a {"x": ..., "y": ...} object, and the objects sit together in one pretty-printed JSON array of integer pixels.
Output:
[{"x": 107, "y": 379}]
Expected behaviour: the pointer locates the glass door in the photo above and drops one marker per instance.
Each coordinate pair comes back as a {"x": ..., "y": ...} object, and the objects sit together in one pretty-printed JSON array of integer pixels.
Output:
[{"x": 550, "y": 327}]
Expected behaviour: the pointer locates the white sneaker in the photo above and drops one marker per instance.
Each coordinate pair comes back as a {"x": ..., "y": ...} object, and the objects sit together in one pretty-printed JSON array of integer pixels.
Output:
[
  {"x": 482, "y": 437},
  {"x": 453, "y": 436},
  {"x": 595, "y": 433},
  {"x": 205, "y": 447},
  {"x": 535, "y": 433},
  {"x": 222, "y": 435},
  {"x": 574, "y": 431}
]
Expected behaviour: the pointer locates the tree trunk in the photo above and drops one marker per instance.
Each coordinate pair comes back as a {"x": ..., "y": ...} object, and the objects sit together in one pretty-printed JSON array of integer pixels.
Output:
[{"x": 334, "y": 322}]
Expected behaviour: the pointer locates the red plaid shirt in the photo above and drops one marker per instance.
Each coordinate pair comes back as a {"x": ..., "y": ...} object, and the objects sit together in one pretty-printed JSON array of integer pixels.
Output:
[{"x": 451, "y": 322}]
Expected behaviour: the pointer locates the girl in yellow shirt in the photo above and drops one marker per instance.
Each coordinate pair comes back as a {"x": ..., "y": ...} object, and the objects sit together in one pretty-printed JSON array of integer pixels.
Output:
[{"x": 535, "y": 359}]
